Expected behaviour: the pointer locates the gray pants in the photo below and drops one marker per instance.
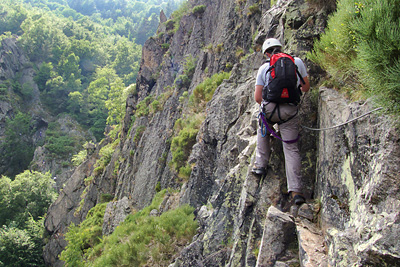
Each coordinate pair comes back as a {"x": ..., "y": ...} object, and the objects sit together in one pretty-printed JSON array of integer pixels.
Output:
[{"x": 289, "y": 131}]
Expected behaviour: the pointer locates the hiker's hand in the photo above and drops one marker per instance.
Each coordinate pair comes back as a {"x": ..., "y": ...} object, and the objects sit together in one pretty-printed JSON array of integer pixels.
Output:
[{"x": 306, "y": 86}]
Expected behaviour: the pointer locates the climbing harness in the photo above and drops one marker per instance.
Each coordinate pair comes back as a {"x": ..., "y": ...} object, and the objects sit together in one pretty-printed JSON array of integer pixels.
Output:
[
  {"x": 347, "y": 122},
  {"x": 265, "y": 125}
]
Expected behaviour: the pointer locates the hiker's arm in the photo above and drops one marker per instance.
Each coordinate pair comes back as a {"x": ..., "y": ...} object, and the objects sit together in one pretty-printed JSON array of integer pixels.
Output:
[
  {"x": 306, "y": 86},
  {"x": 258, "y": 93},
  {"x": 303, "y": 72}
]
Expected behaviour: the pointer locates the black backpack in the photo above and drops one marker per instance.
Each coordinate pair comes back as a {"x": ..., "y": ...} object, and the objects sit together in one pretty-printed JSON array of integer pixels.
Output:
[{"x": 282, "y": 85}]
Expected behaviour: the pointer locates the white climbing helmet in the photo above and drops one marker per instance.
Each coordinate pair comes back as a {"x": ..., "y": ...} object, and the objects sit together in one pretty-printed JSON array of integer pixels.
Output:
[{"x": 270, "y": 42}]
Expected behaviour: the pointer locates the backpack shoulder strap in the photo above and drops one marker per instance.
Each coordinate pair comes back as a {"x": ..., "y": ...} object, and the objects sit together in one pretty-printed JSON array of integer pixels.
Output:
[
  {"x": 298, "y": 72},
  {"x": 301, "y": 77},
  {"x": 268, "y": 70}
]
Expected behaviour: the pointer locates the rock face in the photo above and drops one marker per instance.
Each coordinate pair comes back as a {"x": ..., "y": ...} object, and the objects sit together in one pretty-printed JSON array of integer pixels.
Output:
[
  {"x": 357, "y": 172},
  {"x": 349, "y": 171},
  {"x": 11, "y": 61},
  {"x": 279, "y": 233},
  {"x": 14, "y": 66},
  {"x": 115, "y": 213}
]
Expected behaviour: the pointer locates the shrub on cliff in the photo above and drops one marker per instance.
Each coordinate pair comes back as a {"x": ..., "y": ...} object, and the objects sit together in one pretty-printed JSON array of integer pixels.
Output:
[
  {"x": 204, "y": 91},
  {"x": 84, "y": 236},
  {"x": 181, "y": 147},
  {"x": 186, "y": 129},
  {"x": 177, "y": 15},
  {"x": 198, "y": 10},
  {"x": 189, "y": 66},
  {"x": 141, "y": 240},
  {"x": 360, "y": 48}
]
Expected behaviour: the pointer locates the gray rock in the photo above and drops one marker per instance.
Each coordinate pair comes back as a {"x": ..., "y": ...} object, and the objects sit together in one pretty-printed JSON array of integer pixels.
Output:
[
  {"x": 360, "y": 203},
  {"x": 203, "y": 214},
  {"x": 305, "y": 211},
  {"x": 12, "y": 59},
  {"x": 279, "y": 233},
  {"x": 312, "y": 248},
  {"x": 154, "y": 213},
  {"x": 115, "y": 213},
  {"x": 6, "y": 112}
]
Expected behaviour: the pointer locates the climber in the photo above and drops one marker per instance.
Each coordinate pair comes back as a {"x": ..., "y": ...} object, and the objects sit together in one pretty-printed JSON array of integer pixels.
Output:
[{"x": 287, "y": 119}]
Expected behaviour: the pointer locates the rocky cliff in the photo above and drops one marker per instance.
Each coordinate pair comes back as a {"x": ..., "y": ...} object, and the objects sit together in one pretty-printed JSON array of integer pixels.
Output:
[
  {"x": 17, "y": 69},
  {"x": 14, "y": 66},
  {"x": 350, "y": 172}
]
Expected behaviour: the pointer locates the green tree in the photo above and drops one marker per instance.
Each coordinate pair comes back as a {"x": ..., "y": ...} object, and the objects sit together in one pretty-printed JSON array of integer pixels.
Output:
[
  {"x": 126, "y": 63},
  {"x": 97, "y": 96},
  {"x": 43, "y": 75},
  {"x": 68, "y": 66},
  {"x": 29, "y": 195},
  {"x": 76, "y": 102},
  {"x": 12, "y": 18},
  {"x": 17, "y": 248},
  {"x": 98, "y": 91},
  {"x": 56, "y": 94},
  {"x": 22, "y": 247},
  {"x": 23, "y": 203},
  {"x": 147, "y": 28},
  {"x": 5, "y": 198},
  {"x": 106, "y": 96},
  {"x": 18, "y": 145},
  {"x": 40, "y": 36},
  {"x": 115, "y": 103}
]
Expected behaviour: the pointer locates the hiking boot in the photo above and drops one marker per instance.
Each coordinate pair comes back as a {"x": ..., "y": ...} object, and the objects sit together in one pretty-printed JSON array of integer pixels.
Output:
[
  {"x": 259, "y": 171},
  {"x": 299, "y": 199}
]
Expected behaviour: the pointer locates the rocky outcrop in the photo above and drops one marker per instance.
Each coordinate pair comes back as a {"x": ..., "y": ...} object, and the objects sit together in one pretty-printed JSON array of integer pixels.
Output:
[
  {"x": 64, "y": 211},
  {"x": 279, "y": 233},
  {"x": 356, "y": 183},
  {"x": 15, "y": 67},
  {"x": 6, "y": 112},
  {"x": 115, "y": 213},
  {"x": 12, "y": 61},
  {"x": 43, "y": 161}
]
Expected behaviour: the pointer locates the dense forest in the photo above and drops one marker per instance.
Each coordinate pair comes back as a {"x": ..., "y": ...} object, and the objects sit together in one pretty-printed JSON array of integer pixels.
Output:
[
  {"x": 85, "y": 56},
  {"x": 84, "y": 61}
]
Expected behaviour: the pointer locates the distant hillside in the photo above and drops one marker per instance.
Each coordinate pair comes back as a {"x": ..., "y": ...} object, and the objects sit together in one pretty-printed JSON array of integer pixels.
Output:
[
  {"x": 64, "y": 80},
  {"x": 134, "y": 19},
  {"x": 80, "y": 64}
]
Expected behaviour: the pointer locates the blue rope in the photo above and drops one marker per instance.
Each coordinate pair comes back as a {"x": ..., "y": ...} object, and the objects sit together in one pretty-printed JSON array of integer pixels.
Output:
[{"x": 263, "y": 134}]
